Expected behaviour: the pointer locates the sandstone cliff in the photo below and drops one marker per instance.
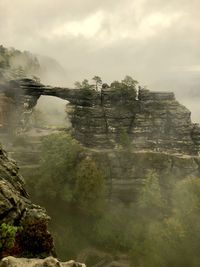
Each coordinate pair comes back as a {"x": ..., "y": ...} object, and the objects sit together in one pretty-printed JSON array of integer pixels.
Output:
[
  {"x": 17, "y": 209},
  {"x": 152, "y": 121}
]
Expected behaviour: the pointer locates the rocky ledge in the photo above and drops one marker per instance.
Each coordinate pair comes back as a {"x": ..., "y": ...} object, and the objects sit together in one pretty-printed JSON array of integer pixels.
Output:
[
  {"x": 16, "y": 210},
  {"x": 47, "y": 262}
]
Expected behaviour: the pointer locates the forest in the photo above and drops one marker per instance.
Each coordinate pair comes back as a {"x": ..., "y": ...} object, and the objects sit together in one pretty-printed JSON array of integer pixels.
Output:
[{"x": 159, "y": 229}]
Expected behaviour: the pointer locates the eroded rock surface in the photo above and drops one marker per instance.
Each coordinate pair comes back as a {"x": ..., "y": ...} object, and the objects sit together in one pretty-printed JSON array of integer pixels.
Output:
[
  {"x": 17, "y": 209},
  {"x": 47, "y": 262},
  {"x": 127, "y": 133},
  {"x": 152, "y": 121}
]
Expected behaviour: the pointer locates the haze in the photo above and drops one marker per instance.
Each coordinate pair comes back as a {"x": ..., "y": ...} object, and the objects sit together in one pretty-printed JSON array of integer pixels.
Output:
[{"x": 155, "y": 41}]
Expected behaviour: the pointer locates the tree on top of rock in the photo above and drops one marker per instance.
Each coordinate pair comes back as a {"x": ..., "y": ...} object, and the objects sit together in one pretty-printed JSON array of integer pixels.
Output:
[
  {"x": 98, "y": 82},
  {"x": 130, "y": 82},
  {"x": 84, "y": 85}
]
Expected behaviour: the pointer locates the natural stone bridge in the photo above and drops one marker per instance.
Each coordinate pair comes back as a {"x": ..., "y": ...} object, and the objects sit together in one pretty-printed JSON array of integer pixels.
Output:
[
  {"x": 28, "y": 87},
  {"x": 154, "y": 121}
]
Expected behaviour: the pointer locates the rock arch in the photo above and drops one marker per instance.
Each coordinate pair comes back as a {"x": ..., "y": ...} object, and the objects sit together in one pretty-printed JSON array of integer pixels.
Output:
[{"x": 98, "y": 118}]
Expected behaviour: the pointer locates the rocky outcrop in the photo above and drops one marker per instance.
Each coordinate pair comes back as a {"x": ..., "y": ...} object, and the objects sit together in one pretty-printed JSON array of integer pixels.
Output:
[
  {"x": 16, "y": 209},
  {"x": 195, "y": 134},
  {"x": 152, "y": 121},
  {"x": 126, "y": 170},
  {"x": 47, "y": 262},
  {"x": 156, "y": 122}
]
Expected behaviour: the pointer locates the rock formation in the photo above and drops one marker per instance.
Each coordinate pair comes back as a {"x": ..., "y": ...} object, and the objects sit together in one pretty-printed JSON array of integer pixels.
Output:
[
  {"x": 154, "y": 122},
  {"x": 17, "y": 209},
  {"x": 128, "y": 133},
  {"x": 47, "y": 262}
]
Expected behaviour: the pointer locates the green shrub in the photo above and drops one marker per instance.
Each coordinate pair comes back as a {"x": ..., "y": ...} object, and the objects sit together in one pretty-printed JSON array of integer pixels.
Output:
[
  {"x": 124, "y": 139},
  {"x": 56, "y": 175},
  {"x": 89, "y": 188},
  {"x": 7, "y": 237}
]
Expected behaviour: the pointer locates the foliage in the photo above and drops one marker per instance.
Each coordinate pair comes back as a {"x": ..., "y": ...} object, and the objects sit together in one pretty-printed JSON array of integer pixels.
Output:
[
  {"x": 153, "y": 235},
  {"x": 124, "y": 139},
  {"x": 59, "y": 158},
  {"x": 150, "y": 201},
  {"x": 72, "y": 180},
  {"x": 161, "y": 229},
  {"x": 85, "y": 85},
  {"x": 67, "y": 176},
  {"x": 98, "y": 82},
  {"x": 15, "y": 64},
  {"x": 89, "y": 188},
  {"x": 7, "y": 237},
  {"x": 168, "y": 239},
  {"x": 111, "y": 230},
  {"x": 129, "y": 82},
  {"x": 124, "y": 91},
  {"x": 147, "y": 226}
]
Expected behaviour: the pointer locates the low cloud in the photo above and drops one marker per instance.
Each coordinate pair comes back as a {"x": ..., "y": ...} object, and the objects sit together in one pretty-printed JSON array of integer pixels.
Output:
[{"x": 155, "y": 41}]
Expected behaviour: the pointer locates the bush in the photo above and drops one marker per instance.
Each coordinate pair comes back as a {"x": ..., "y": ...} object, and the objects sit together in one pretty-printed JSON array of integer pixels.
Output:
[
  {"x": 56, "y": 176},
  {"x": 68, "y": 176},
  {"x": 7, "y": 237},
  {"x": 90, "y": 188},
  {"x": 124, "y": 92}
]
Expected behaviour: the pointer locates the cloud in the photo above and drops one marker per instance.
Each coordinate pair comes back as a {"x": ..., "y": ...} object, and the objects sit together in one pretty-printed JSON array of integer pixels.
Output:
[
  {"x": 87, "y": 27},
  {"x": 155, "y": 41}
]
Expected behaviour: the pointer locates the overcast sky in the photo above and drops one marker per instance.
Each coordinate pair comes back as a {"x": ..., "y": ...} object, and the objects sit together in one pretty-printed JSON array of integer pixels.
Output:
[{"x": 155, "y": 41}]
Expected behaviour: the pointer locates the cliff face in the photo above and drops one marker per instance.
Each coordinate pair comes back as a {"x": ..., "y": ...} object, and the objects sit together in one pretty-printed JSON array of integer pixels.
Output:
[
  {"x": 127, "y": 169},
  {"x": 156, "y": 122},
  {"x": 130, "y": 136},
  {"x": 16, "y": 209}
]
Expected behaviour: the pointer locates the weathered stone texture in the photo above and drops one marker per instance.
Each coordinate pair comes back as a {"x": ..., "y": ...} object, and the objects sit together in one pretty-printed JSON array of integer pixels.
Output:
[
  {"x": 154, "y": 121},
  {"x": 127, "y": 169},
  {"x": 16, "y": 207},
  {"x": 155, "y": 129},
  {"x": 47, "y": 262}
]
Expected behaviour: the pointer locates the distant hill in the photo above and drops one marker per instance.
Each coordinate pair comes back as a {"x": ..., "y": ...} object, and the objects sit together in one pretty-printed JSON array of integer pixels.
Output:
[{"x": 19, "y": 64}]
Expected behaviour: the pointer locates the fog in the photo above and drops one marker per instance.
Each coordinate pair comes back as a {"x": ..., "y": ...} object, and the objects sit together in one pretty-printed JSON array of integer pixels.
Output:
[
  {"x": 52, "y": 112},
  {"x": 156, "y": 42}
]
